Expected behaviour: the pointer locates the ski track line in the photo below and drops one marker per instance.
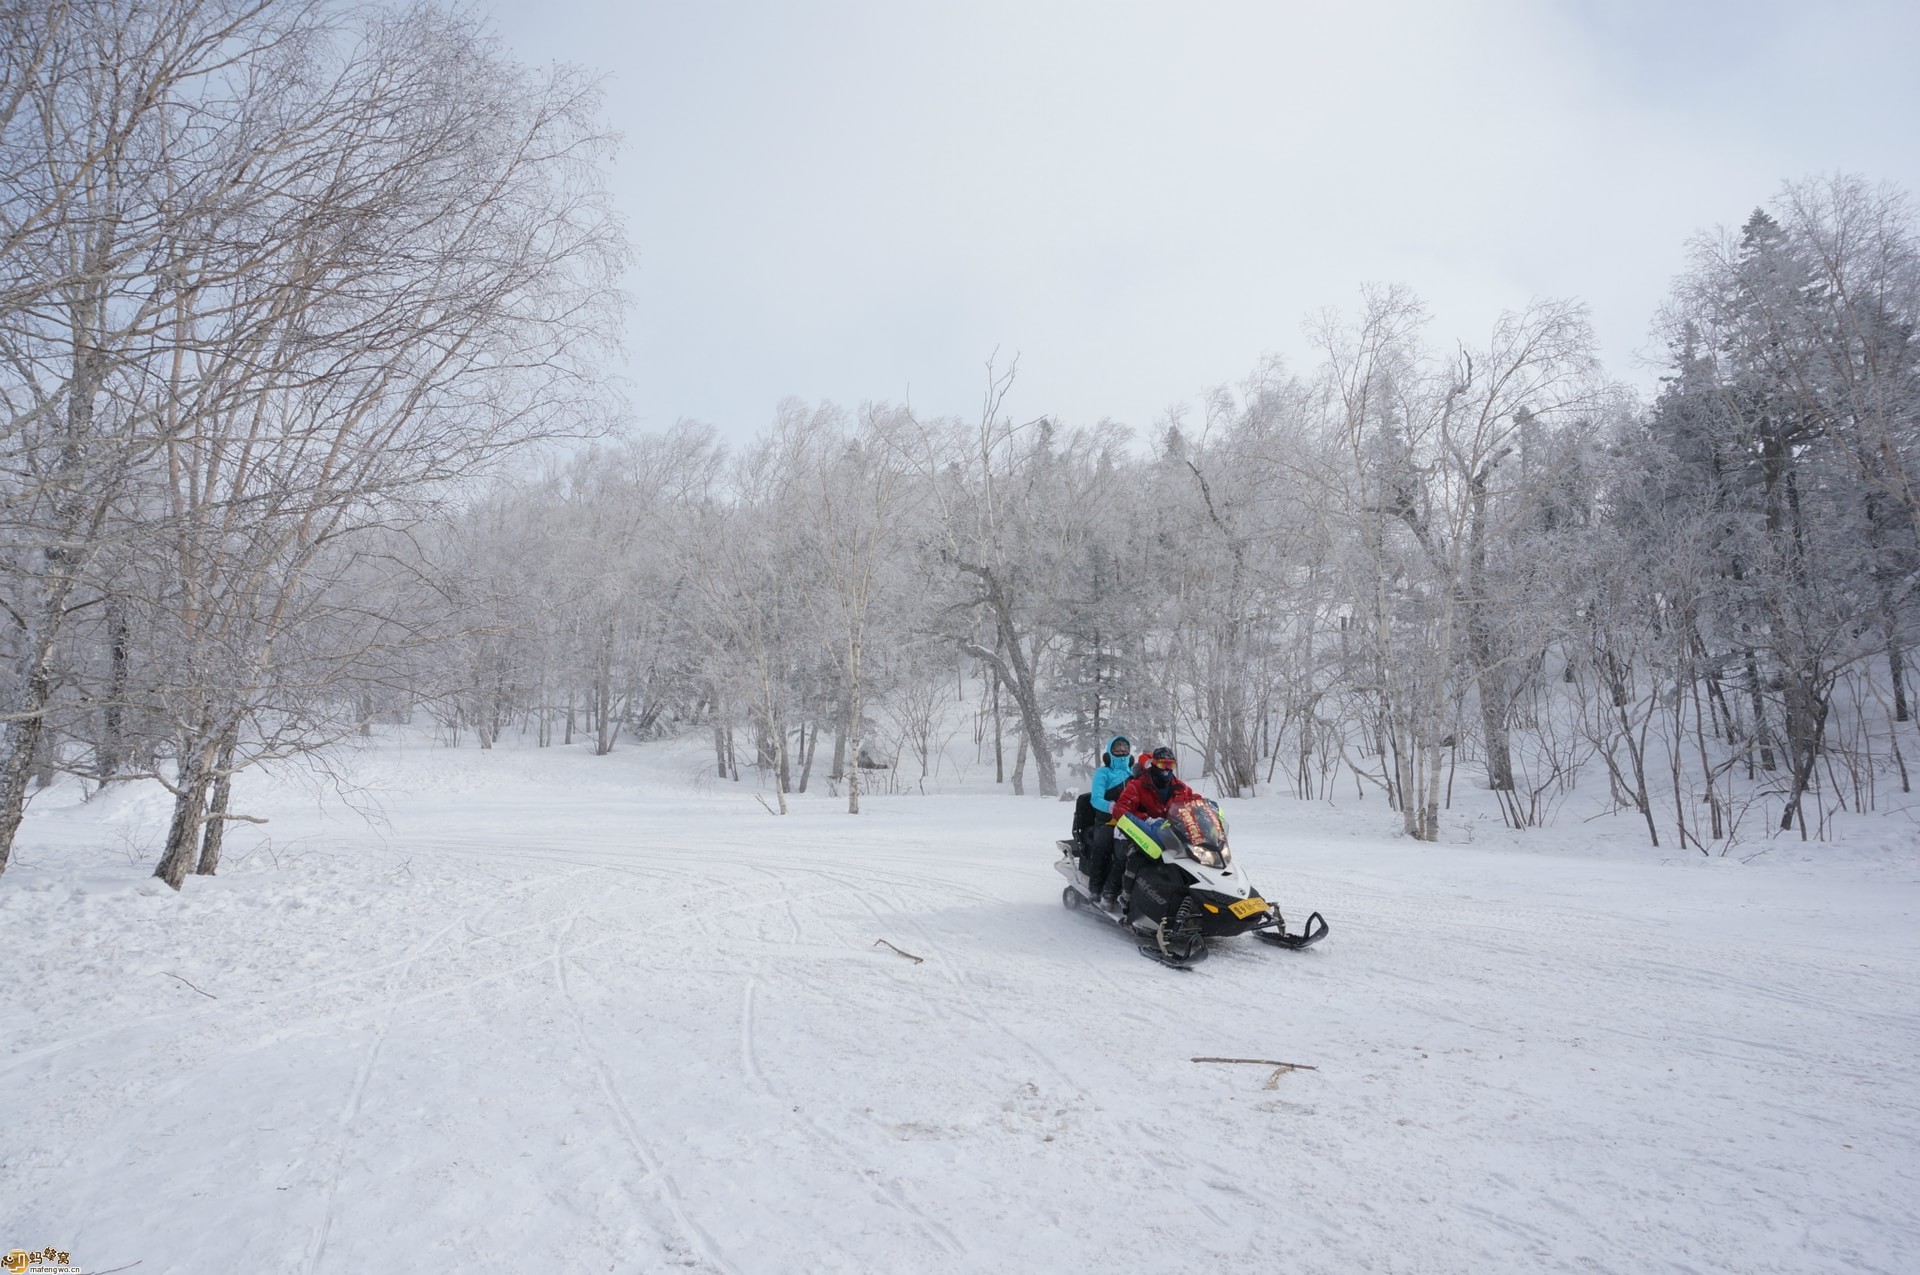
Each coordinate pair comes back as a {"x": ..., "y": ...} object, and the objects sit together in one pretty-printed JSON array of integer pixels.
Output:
[
  {"x": 778, "y": 878},
  {"x": 943, "y": 888},
  {"x": 653, "y": 1166},
  {"x": 261, "y": 1001},
  {"x": 357, "y": 1093},
  {"x": 1702, "y": 978},
  {"x": 931, "y": 1229},
  {"x": 506, "y": 972},
  {"x": 1240, "y": 953},
  {"x": 298, "y": 1026},
  {"x": 972, "y": 1009},
  {"x": 915, "y": 874},
  {"x": 532, "y": 856},
  {"x": 794, "y": 931},
  {"x": 749, "y": 1060},
  {"x": 189, "y": 1015}
]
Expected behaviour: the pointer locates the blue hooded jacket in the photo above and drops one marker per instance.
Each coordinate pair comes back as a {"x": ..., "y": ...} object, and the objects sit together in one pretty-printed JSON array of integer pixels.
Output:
[{"x": 1113, "y": 772}]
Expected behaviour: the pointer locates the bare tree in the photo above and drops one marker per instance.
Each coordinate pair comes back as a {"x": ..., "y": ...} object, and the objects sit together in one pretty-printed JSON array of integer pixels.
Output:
[
  {"x": 859, "y": 493},
  {"x": 115, "y": 141},
  {"x": 992, "y": 496},
  {"x": 407, "y": 283}
]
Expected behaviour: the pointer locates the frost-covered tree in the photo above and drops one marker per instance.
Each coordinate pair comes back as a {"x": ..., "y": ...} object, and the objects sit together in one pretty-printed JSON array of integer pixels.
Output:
[
  {"x": 283, "y": 272},
  {"x": 1792, "y": 410}
]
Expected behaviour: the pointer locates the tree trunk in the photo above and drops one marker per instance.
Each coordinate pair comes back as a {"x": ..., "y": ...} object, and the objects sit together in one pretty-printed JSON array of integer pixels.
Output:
[
  {"x": 856, "y": 710},
  {"x": 784, "y": 755},
  {"x": 607, "y": 729},
  {"x": 1489, "y": 676},
  {"x": 20, "y": 740},
  {"x": 1806, "y": 725},
  {"x": 1430, "y": 811},
  {"x": 1761, "y": 733},
  {"x": 1240, "y": 758},
  {"x": 999, "y": 735},
  {"x": 773, "y": 742},
  {"x": 189, "y": 806},
  {"x": 606, "y": 705},
  {"x": 111, "y": 755},
  {"x": 840, "y": 732},
  {"x": 1493, "y": 723},
  {"x": 216, "y": 829},
  {"x": 1404, "y": 792},
  {"x": 1896, "y": 667},
  {"x": 1016, "y": 670},
  {"x": 46, "y": 757},
  {"x": 808, "y": 744}
]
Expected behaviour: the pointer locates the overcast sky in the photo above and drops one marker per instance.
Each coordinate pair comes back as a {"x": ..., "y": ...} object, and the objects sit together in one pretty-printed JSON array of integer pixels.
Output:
[{"x": 862, "y": 200}]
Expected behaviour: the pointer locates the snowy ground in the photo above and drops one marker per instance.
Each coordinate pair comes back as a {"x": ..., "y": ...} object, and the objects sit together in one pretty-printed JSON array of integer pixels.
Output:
[{"x": 585, "y": 1014}]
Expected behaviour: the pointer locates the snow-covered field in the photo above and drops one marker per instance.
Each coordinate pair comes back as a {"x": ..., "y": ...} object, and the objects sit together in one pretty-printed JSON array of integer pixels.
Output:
[{"x": 565, "y": 1013}]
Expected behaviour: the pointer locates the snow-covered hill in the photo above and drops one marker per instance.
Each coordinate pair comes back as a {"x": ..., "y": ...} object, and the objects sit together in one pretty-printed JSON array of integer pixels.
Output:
[{"x": 568, "y": 1013}]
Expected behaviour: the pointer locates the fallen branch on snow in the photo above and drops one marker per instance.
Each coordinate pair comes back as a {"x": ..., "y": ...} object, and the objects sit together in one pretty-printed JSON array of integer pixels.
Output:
[
  {"x": 917, "y": 960},
  {"x": 209, "y": 995},
  {"x": 1279, "y": 1068},
  {"x": 1262, "y": 1062}
]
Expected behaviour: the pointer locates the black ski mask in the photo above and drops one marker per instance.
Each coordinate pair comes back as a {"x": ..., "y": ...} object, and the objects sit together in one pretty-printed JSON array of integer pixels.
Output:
[{"x": 1162, "y": 780}]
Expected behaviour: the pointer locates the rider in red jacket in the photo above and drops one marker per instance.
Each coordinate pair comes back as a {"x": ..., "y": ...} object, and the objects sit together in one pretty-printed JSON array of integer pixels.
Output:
[{"x": 1149, "y": 793}]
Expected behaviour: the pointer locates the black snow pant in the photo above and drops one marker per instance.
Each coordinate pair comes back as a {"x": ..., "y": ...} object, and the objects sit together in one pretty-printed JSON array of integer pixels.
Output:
[
  {"x": 1099, "y": 855},
  {"x": 1108, "y": 862},
  {"x": 1129, "y": 861}
]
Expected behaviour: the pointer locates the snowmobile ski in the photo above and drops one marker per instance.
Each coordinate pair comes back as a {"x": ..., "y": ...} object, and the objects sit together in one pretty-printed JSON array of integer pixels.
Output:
[
  {"x": 1314, "y": 930},
  {"x": 1153, "y": 953},
  {"x": 1177, "y": 941}
]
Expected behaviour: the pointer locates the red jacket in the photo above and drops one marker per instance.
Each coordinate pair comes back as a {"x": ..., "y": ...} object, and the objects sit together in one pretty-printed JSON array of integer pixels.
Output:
[{"x": 1143, "y": 801}]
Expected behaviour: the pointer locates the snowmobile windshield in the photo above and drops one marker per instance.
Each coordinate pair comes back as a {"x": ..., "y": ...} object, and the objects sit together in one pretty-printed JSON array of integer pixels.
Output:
[{"x": 1202, "y": 832}]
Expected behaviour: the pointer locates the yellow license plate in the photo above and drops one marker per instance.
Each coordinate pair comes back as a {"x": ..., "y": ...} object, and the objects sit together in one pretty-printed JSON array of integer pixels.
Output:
[{"x": 1248, "y": 907}]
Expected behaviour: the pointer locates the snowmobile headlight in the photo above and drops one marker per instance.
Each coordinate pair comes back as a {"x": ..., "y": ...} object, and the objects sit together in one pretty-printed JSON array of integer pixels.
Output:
[{"x": 1210, "y": 856}]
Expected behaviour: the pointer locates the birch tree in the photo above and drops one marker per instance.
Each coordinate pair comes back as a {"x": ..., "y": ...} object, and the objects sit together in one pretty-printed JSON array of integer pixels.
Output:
[
  {"x": 120, "y": 137},
  {"x": 1004, "y": 520},
  {"x": 429, "y": 259},
  {"x": 859, "y": 514}
]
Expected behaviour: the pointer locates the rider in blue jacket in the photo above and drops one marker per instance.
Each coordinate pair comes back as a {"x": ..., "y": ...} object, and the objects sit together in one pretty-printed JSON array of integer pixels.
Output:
[{"x": 1116, "y": 768}]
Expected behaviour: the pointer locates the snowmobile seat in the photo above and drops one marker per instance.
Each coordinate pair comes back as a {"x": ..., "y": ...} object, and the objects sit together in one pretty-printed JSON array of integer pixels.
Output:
[{"x": 1084, "y": 821}]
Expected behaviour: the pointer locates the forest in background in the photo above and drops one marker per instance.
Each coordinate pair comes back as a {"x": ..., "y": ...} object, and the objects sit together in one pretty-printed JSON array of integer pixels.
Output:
[{"x": 303, "y": 320}]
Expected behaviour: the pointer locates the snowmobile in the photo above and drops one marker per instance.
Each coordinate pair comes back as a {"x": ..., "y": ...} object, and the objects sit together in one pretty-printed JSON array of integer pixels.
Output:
[{"x": 1187, "y": 891}]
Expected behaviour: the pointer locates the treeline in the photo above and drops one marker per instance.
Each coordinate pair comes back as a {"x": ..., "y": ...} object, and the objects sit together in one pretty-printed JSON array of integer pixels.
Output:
[
  {"x": 1407, "y": 562},
  {"x": 283, "y": 283}
]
